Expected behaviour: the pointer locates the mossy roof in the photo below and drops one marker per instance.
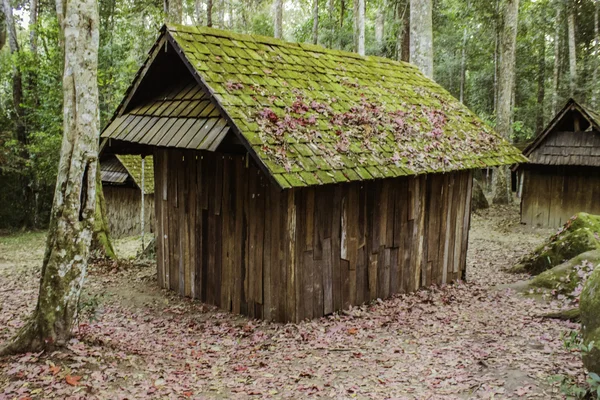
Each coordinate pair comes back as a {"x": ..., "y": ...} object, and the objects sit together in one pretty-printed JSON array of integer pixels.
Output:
[
  {"x": 133, "y": 165},
  {"x": 317, "y": 116}
]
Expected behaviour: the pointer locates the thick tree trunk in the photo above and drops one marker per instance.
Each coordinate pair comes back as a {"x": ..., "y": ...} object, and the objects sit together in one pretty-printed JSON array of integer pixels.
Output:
[
  {"x": 556, "y": 72},
  {"x": 421, "y": 35},
  {"x": 359, "y": 27},
  {"x": 403, "y": 38},
  {"x": 380, "y": 24},
  {"x": 278, "y": 18},
  {"x": 541, "y": 78},
  {"x": 174, "y": 11},
  {"x": 506, "y": 80},
  {"x": 33, "y": 14},
  {"x": 463, "y": 65},
  {"x": 72, "y": 219},
  {"x": 198, "y": 18},
  {"x": 498, "y": 28},
  {"x": 572, "y": 49},
  {"x": 209, "y": 11},
  {"x": 2, "y": 28},
  {"x": 315, "y": 29}
]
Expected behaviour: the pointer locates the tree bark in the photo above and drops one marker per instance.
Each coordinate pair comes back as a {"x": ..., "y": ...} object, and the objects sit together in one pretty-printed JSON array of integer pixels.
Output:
[
  {"x": 2, "y": 28},
  {"x": 17, "y": 80},
  {"x": 380, "y": 24},
  {"x": 198, "y": 12},
  {"x": 72, "y": 218},
  {"x": 278, "y": 18},
  {"x": 209, "y": 11},
  {"x": 506, "y": 79},
  {"x": 315, "y": 29},
  {"x": 359, "y": 27},
  {"x": 556, "y": 72},
  {"x": 498, "y": 27},
  {"x": 572, "y": 48},
  {"x": 541, "y": 76},
  {"x": 421, "y": 35},
  {"x": 33, "y": 14},
  {"x": 174, "y": 11},
  {"x": 463, "y": 65}
]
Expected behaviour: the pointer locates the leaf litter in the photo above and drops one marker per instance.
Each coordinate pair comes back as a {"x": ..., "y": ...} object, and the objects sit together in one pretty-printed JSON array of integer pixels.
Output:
[{"x": 468, "y": 340}]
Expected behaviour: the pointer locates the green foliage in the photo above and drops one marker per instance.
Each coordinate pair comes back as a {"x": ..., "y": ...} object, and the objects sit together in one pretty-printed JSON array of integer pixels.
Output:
[{"x": 571, "y": 388}]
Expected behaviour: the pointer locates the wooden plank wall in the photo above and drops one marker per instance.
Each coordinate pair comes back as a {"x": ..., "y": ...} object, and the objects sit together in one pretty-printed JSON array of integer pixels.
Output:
[
  {"x": 123, "y": 210},
  {"x": 232, "y": 239},
  {"x": 553, "y": 194}
]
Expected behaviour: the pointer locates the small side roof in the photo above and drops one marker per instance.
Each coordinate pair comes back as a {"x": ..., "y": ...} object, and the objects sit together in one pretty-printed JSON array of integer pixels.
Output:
[
  {"x": 570, "y": 148},
  {"x": 116, "y": 170},
  {"x": 312, "y": 116}
]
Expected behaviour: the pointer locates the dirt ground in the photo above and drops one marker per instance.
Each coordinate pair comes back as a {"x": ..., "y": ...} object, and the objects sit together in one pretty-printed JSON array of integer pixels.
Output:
[{"x": 136, "y": 341}]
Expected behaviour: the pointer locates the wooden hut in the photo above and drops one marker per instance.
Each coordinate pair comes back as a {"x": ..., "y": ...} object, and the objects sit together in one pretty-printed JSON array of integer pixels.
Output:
[
  {"x": 562, "y": 176},
  {"x": 293, "y": 180},
  {"x": 122, "y": 186}
]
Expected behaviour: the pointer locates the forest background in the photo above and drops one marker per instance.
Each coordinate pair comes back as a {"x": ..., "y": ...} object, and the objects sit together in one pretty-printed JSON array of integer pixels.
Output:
[{"x": 558, "y": 56}]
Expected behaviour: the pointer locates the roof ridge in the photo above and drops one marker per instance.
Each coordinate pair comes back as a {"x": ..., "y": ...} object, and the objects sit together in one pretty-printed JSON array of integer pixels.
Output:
[{"x": 316, "y": 48}]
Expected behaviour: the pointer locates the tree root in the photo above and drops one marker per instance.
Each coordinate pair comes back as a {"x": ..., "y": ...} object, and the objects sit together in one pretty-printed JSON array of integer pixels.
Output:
[{"x": 572, "y": 314}]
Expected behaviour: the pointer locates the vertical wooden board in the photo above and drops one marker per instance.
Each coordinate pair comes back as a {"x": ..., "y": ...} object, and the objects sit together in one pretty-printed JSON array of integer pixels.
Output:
[
  {"x": 272, "y": 284},
  {"x": 317, "y": 279},
  {"x": 309, "y": 217},
  {"x": 452, "y": 204},
  {"x": 419, "y": 236},
  {"x": 307, "y": 289},
  {"x": 173, "y": 252},
  {"x": 251, "y": 220},
  {"x": 362, "y": 265},
  {"x": 260, "y": 237},
  {"x": 382, "y": 212},
  {"x": 373, "y": 208},
  {"x": 291, "y": 257},
  {"x": 227, "y": 218},
  {"x": 283, "y": 257},
  {"x": 352, "y": 222},
  {"x": 373, "y": 276},
  {"x": 466, "y": 223},
  {"x": 393, "y": 188},
  {"x": 217, "y": 194},
  {"x": 460, "y": 200},
  {"x": 157, "y": 213},
  {"x": 239, "y": 236},
  {"x": 200, "y": 250},
  {"x": 394, "y": 271},
  {"x": 165, "y": 222},
  {"x": 268, "y": 231},
  {"x": 344, "y": 235},
  {"x": 335, "y": 218},
  {"x": 206, "y": 259},
  {"x": 383, "y": 285},
  {"x": 303, "y": 270},
  {"x": 184, "y": 223},
  {"x": 191, "y": 222},
  {"x": 444, "y": 245},
  {"x": 328, "y": 279}
]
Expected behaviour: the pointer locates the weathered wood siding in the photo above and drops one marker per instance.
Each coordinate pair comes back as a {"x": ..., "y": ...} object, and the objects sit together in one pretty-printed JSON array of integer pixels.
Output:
[
  {"x": 553, "y": 194},
  {"x": 568, "y": 148},
  {"x": 123, "y": 209},
  {"x": 228, "y": 237}
]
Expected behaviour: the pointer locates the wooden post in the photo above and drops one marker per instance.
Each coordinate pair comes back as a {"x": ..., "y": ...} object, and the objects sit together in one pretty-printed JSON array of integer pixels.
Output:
[{"x": 143, "y": 204}]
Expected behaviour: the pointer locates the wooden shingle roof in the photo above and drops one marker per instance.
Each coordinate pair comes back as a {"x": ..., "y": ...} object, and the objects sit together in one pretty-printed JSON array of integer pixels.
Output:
[
  {"x": 311, "y": 115},
  {"x": 117, "y": 169},
  {"x": 557, "y": 146}
]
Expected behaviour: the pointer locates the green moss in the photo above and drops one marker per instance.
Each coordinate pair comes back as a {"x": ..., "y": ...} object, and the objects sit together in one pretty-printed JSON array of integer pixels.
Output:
[
  {"x": 578, "y": 235},
  {"x": 590, "y": 321},
  {"x": 564, "y": 278}
]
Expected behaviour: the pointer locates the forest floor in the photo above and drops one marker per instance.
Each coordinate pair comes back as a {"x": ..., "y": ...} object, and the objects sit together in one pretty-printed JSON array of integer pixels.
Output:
[{"x": 137, "y": 341}]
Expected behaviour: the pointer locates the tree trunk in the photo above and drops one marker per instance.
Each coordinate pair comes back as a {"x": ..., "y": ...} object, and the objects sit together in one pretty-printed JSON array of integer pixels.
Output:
[
  {"x": 380, "y": 24},
  {"x": 174, "y": 11},
  {"x": 315, "y": 29},
  {"x": 72, "y": 219},
  {"x": 359, "y": 27},
  {"x": 33, "y": 14},
  {"x": 596, "y": 66},
  {"x": 209, "y": 11},
  {"x": 17, "y": 80},
  {"x": 421, "y": 36},
  {"x": 278, "y": 18},
  {"x": 2, "y": 28},
  {"x": 541, "y": 77},
  {"x": 496, "y": 54},
  {"x": 463, "y": 65},
  {"x": 572, "y": 49},
  {"x": 198, "y": 12},
  {"x": 506, "y": 79},
  {"x": 101, "y": 241},
  {"x": 556, "y": 73}
]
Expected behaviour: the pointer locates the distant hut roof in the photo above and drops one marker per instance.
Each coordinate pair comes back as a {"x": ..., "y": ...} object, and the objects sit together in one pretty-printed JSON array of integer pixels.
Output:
[
  {"x": 309, "y": 115},
  {"x": 561, "y": 144},
  {"x": 117, "y": 170}
]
